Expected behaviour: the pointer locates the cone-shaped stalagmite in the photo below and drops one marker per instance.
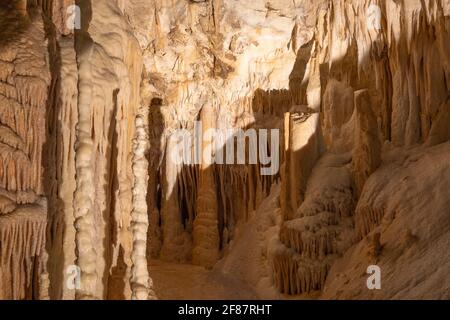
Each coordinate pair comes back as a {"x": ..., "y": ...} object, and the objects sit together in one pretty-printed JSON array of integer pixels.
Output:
[{"x": 206, "y": 225}]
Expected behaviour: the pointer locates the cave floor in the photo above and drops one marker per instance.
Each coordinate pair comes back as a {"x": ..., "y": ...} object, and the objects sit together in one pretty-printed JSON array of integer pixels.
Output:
[{"x": 184, "y": 282}]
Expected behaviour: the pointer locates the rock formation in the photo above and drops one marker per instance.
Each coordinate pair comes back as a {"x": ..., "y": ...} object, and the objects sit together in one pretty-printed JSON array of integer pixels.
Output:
[{"x": 338, "y": 157}]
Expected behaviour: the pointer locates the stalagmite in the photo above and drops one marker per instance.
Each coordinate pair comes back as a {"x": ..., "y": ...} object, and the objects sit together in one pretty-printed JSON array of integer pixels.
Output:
[
  {"x": 25, "y": 80},
  {"x": 177, "y": 243},
  {"x": 206, "y": 233}
]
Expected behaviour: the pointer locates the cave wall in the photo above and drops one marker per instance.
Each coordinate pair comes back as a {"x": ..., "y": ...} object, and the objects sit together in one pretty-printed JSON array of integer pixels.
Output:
[
  {"x": 373, "y": 86},
  {"x": 25, "y": 79},
  {"x": 88, "y": 123},
  {"x": 69, "y": 117}
]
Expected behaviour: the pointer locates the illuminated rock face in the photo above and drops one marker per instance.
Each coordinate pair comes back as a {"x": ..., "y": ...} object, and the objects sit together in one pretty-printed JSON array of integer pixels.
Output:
[{"x": 89, "y": 191}]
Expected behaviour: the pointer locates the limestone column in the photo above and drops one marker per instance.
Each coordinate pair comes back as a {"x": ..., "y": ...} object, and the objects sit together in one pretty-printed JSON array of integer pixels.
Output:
[
  {"x": 140, "y": 279},
  {"x": 84, "y": 157}
]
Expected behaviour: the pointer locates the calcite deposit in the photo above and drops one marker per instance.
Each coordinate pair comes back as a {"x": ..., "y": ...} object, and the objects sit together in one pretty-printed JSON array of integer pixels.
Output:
[{"x": 340, "y": 109}]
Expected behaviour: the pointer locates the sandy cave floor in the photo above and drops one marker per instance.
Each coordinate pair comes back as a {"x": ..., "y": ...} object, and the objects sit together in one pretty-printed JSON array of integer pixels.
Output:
[{"x": 185, "y": 282}]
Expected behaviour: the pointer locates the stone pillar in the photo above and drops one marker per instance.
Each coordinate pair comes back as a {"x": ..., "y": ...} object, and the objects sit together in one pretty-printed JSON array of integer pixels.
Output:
[{"x": 206, "y": 231}]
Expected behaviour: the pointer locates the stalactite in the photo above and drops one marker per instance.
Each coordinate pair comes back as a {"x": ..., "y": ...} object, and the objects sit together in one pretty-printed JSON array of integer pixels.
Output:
[
  {"x": 322, "y": 230},
  {"x": 367, "y": 218},
  {"x": 314, "y": 241},
  {"x": 295, "y": 275},
  {"x": 108, "y": 99},
  {"x": 22, "y": 246}
]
